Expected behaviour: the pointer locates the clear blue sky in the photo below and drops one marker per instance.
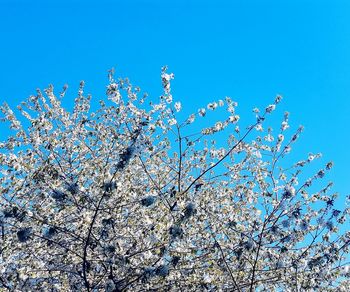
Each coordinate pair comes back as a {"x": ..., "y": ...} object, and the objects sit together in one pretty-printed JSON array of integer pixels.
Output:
[{"x": 249, "y": 50}]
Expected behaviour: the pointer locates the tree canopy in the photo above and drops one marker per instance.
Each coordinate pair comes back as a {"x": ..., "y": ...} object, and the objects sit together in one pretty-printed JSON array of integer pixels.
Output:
[{"x": 129, "y": 197}]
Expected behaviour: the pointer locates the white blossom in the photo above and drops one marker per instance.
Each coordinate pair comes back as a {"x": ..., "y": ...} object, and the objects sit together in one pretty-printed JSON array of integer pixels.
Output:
[
  {"x": 191, "y": 119},
  {"x": 114, "y": 198},
  {"x": 212, "y": 106},
  {"x": 177, "y": 106},
  {"x": 284, "y": 126},
  {"x": 201, "y": 112},
  {"x": 172, "y": 122},
  {"x": 219, "y": 126},
  {"x": 234, "y": 119},
  {"x": 271, "y": 108}
]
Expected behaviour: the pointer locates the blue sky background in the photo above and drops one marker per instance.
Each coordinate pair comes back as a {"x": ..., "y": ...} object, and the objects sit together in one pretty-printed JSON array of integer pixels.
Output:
[{"x": 249, "y": 50}]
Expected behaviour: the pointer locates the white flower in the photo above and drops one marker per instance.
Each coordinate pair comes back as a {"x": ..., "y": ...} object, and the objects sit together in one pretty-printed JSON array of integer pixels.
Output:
[
  {"x": 158, "y": 107},
  {"x": 169, "y": 98},
  {"x": 231, "y": 109},
  {"x": 271, "y": 108},
  {"x": 113, "y": 92},
  {"x": 212, "y": 106},
  {"x": 259, "y": 127},
  {"x": 219, "y": 126},
  {"x": 152, "y": 127},
  {"x": 177, "y": 106},
  {"x": 228, "y": 100},
  {"x": 207, "y": 131},
  {"x": 269, "y": 138},
  {"x": 233, "y": 119},
  {"x": 287, "y": 149},
  {"x": 329, "y": 165},
  {"x": 190, "y": 119},
  {"x": 289, "y": 191},
  {"x": 284, "y": 126},
  {"x": 201, "y": 112},
  {"x": 311, "y": 157},
  {"x": 278, "y": 99},
  {"x": 167, "y": 77},
  {"x": 172, "y": 122},
  {"x": 160, "y": 124}
]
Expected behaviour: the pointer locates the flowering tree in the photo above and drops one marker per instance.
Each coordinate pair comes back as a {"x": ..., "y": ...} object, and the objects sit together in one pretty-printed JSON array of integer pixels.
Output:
[{"x": 129, "y": 198}]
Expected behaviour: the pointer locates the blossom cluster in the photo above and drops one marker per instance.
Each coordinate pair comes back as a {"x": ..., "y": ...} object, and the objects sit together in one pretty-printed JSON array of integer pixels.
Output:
[{"x": 122, "y": 198}]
